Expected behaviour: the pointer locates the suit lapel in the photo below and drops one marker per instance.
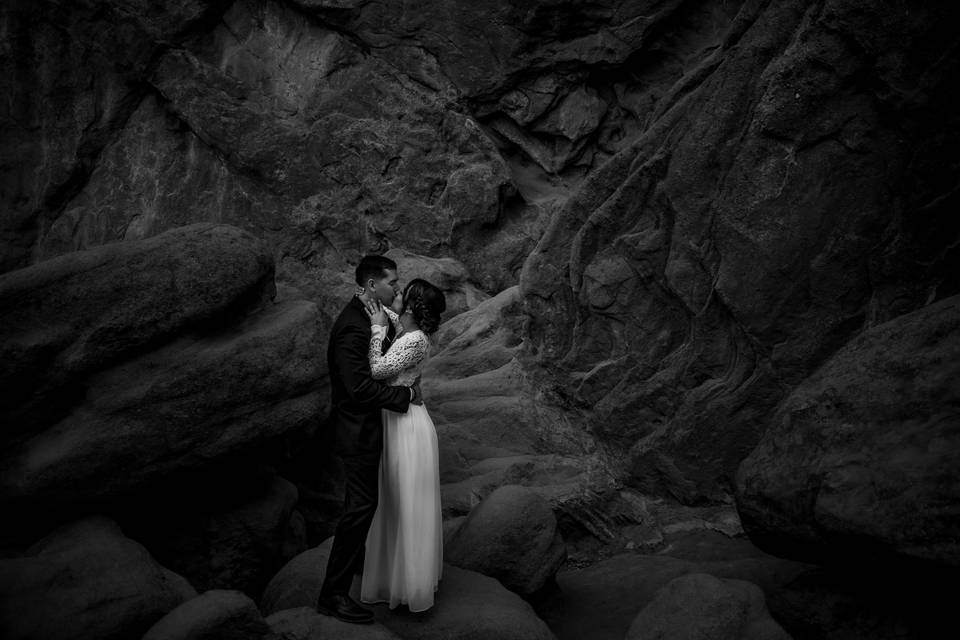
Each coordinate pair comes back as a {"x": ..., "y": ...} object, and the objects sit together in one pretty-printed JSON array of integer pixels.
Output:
[{"x": 391, "y": 334}]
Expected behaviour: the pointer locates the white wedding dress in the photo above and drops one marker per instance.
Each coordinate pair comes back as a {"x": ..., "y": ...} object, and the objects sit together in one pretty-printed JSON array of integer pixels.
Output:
[{"x": 404, "y": 552}]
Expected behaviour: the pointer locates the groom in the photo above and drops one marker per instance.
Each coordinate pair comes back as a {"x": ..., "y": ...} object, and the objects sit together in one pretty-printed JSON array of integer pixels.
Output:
[{"x": 356, "y": 401}]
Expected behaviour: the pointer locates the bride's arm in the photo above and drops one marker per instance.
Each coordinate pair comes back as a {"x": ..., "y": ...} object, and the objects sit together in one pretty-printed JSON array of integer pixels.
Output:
[{"x": 409, "y": 349}]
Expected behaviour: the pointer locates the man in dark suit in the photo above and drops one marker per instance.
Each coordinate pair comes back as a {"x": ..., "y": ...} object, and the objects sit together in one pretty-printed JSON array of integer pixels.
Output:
[{"x": 356, "y": 401}]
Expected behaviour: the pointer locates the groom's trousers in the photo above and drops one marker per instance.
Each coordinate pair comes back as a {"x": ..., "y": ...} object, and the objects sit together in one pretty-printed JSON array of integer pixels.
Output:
[{"x": 361, "y": 490}]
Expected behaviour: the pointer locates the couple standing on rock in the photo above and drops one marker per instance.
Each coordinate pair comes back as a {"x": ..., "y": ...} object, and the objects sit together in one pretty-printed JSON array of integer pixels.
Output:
[{"x": 390, "y": 530}]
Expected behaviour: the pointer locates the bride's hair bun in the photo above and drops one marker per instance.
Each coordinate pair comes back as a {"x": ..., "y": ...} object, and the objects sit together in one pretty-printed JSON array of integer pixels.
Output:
[{"x": 426, "y": 303}]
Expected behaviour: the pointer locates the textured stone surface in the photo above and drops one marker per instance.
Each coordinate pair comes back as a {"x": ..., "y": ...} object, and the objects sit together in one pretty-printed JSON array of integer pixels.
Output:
[
  {"x": 512, "y": 535},
  {"x": 861, "y": 460},
  {"x": 469, "y": 605},
  {"x": 197, "y": 399},
  {"x": 297, "y": 583},
  {"x": 213, "y": 615},
  {"x": 67, "y": 318},
  {"x": 698, "y": 605},
  {"x": 749, "y": 232},
  {"x": 304, "y": 623},
  {"x": 86, "y": 580},
  {"x": 72, "y": 72}
]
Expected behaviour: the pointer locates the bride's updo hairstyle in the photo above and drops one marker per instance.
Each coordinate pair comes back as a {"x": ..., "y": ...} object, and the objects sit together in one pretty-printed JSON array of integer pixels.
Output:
[{"x": 426, "y": 303}]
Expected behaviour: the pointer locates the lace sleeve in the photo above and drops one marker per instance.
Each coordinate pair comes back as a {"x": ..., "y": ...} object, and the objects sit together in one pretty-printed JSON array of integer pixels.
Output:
[
  {"x": 405, "y": 352},
  {"x": 394, "y": 318}
]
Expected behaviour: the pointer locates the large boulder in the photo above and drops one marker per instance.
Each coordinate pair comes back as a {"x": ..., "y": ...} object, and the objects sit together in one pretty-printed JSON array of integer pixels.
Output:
[
  {"x": 469, "y": 605},
  {"x": 698, "y": 605},
  {"x": 202, "y": 397},
  {"x": 298, "y": 582},
  {"x": 304, "y": 623},
  {"x": 512, "y": 535},
  {"x": 67, "y": 318},
  {"x": 86, "y": 580},
  {"x": 862, "y": 460},
  {"x": 213, "y": 615}
]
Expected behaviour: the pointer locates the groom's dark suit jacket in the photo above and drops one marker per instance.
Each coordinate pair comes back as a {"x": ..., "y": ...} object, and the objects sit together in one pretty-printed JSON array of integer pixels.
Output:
[{"x": 356, "y": 398}]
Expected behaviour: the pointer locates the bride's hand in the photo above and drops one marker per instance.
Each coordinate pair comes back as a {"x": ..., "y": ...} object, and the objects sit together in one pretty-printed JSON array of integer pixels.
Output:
[{"x": 377, "y": 315}]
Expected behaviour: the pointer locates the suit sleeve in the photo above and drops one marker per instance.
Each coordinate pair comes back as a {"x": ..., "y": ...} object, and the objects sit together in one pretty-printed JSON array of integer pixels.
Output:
[{"x": 353, "y": 367}]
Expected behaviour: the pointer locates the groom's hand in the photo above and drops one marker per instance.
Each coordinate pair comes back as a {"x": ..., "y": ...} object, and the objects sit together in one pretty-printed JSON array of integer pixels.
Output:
[{"x": 417, "y": 398}]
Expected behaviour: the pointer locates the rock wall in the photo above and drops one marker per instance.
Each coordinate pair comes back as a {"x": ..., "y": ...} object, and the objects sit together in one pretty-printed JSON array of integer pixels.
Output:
[{"x": 789, "y": 192}]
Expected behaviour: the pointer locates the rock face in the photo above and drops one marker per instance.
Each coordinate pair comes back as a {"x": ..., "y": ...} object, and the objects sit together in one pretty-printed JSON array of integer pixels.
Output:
[
  {"x": 750, "y": 231},
  {"x": 512, "y": 536},
  {"x": 861, "y": 459},
  {"x": 698, "y": 605},
  {"x": 86, "y": 580}
]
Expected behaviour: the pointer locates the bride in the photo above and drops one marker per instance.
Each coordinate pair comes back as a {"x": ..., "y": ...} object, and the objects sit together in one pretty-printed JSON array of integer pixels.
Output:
[{"x": 404, "y": 551}]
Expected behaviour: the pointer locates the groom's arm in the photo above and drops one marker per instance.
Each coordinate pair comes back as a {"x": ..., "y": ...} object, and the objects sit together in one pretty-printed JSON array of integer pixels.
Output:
[{"x": 353, "y": 367}]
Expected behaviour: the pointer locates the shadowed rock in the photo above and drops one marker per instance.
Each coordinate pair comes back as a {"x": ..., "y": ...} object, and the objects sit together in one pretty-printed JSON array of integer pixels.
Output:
[
  {"x": 221, "y": 529},
  {"x": 468, "y": 605},
  {"x": 86, "y": 580},
  {"x": 698, "y": 605},
  {"x": 862, "y": 460},
  {"x": 175, "y": 409},
  {"x": 298, "y": 582},
  {"x": 770, "y": 211},
  {"x": 512, "y": 536},
  {"x": 213, "y": 615},
  {"x": 304, "y": 623},
  {"x": 69, "y": 317}
]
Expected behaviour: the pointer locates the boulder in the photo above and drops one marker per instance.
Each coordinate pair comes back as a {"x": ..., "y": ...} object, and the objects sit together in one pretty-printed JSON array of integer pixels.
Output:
[
  {"x": 468, "y": 605},
  {"x": 512, "y": 535},
  {"x": 698, "y": 605},
  {"x": 69, "y": 317},
  {"x": 213, "y": 615},
  {"x": 176, "y": 408},
  {"x": 86, "y": 580},
  {"x": 304, "y": 623},
  {"x": 298, "y": 583},
  {"x": 862, "y": 461}
]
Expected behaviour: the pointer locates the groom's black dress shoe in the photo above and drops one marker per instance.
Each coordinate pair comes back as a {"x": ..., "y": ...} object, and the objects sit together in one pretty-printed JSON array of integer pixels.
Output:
[{"x": 343, "y": 607}]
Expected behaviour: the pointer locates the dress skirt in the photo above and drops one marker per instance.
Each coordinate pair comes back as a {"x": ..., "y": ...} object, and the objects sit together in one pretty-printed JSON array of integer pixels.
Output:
[{"x": 404, "y": 552}]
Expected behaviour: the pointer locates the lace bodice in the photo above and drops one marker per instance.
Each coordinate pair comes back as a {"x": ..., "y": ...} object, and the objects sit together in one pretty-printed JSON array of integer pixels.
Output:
[{"x": 403, "y": 361}]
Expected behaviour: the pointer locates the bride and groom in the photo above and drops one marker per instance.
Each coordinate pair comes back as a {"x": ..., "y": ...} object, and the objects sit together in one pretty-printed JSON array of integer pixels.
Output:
[{"x": 390, "y": 530}]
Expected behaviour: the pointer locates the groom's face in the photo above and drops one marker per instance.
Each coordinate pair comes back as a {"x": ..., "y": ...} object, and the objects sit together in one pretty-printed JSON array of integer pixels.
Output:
[{"x": 386, "y": 288}]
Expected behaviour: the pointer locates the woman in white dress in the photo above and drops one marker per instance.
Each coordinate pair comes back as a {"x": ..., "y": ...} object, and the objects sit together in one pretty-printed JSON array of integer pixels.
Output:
[{"x": 404, "y": 553}]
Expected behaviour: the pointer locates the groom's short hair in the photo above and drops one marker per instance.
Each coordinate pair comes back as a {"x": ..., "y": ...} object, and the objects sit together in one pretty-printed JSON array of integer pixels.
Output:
[{"x": 373, "y": 267}]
